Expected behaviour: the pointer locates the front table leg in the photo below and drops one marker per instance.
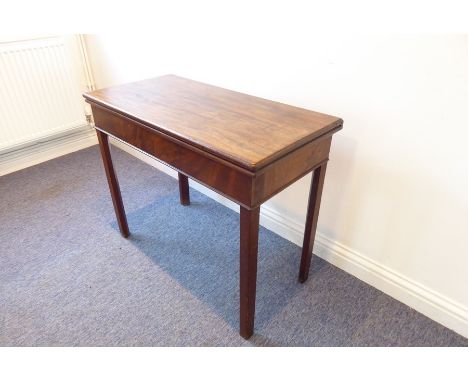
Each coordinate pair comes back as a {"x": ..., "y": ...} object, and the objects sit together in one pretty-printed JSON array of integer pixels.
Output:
[
  {"x": 311, "y": 220},
  {"x": 113, "y": 183},
  {"x": 248, "y": 268}
]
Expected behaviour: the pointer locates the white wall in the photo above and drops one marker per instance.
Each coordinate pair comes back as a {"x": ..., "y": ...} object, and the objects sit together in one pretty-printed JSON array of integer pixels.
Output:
[{"x": 396, "y": 192}]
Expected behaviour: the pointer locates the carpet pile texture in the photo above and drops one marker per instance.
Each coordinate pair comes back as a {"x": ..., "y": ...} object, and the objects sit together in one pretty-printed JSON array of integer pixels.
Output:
[{"x": 67, "y": 277}]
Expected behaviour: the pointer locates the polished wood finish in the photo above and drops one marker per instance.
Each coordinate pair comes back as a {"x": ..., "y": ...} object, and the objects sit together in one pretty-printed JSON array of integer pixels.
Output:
[
  {"x": 184, "y": 192},
  {"x": 249, "y": 189},
  {"x": 245, "y": 148},
  {"x": 113, "y": 183},
  {"x": 313, "y": 209},
  {"x": 248, "y": 131},
  {"x": 286, "y": 170},
  {"x": 249, "y": 220},
  {"x": 229, "y": 180}
]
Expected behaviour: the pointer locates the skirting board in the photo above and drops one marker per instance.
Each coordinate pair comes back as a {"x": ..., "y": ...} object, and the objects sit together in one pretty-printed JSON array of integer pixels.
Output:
[
  {"x": 421, "y": 298},
  {"x": 45, "y": 149}
]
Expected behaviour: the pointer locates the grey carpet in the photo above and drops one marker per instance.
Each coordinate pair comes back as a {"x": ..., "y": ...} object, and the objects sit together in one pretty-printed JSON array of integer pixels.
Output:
[{"x": 67, "y": 277}]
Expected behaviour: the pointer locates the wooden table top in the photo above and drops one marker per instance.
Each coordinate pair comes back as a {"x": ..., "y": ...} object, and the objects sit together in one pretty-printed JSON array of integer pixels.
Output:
[{"x": 248, "y": 131}]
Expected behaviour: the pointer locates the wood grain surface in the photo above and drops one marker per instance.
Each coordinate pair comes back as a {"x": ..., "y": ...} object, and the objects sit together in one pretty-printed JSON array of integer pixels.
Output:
[{"x": 248, "y": 131}]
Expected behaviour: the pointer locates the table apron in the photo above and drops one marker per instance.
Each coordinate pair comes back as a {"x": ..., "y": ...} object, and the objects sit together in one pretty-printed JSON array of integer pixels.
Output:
[
  {"x": 284, "y": 171},
  {"x": 249, "y": 189},
  {"x": 233, "y": 183}
]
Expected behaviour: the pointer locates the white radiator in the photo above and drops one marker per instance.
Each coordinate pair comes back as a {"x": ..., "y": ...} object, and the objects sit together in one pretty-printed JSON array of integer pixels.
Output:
[{"x": 41, "y": 82}]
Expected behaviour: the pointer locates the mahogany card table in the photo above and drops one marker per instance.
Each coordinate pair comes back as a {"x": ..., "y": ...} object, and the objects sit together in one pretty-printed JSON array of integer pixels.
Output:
[{"x": 243, "y": 147}]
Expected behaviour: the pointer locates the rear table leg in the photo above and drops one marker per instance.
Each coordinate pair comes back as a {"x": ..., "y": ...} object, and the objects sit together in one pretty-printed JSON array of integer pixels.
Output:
[
  {"x": 184, "y": 190},
  {"x": 311, "y": 220}
]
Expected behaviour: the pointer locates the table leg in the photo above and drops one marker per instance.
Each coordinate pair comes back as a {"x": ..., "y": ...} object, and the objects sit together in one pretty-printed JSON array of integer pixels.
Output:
[
  {"x": 184, "y": 190},
  {"x": 249, "y": 220},
  {"x": 113, "y": 183},
  {"x": 311, "y": 220}
]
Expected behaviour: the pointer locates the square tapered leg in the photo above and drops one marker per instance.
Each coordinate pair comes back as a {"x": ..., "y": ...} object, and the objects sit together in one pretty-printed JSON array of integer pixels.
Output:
[
  {"x": 313, "y": 208},
  {"x": 113, "y": 183},
  {"x": 184, "y": 190},
  {"x": 249, "y": 220}
]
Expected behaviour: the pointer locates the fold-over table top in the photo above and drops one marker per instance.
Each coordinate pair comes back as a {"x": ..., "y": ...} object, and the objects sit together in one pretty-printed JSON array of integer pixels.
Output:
[{"x": 248, "y": 131}]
